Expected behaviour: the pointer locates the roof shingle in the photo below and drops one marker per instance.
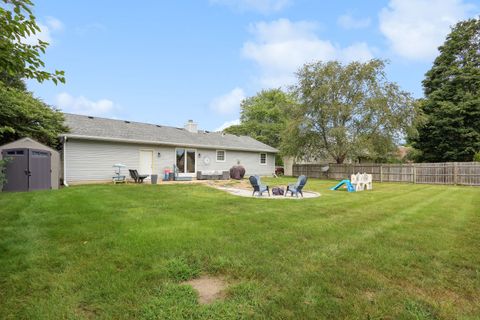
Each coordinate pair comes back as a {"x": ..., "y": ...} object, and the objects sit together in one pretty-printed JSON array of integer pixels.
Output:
[{"x": 95, "y": 128}]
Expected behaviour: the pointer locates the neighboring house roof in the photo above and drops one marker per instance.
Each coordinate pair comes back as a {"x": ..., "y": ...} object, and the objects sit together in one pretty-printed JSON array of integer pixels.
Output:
[
  {"x": 403, "y": 151},
  {"x": 95, "y": 128}
]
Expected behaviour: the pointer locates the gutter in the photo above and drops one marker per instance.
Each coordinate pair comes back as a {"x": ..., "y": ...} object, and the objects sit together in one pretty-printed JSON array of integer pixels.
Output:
[
  {"x": 65, "y": 161},
  {"x": 94, "y": 138}
]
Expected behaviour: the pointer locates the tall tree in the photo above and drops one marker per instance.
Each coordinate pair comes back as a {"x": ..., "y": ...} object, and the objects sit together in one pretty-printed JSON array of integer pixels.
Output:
[
  {"x": 451, "y": 131},
  {"x": 22, "y": 115},
  {"x": 263, "y": 116},
  {"x": 18, "y": 59},
  {"x": 346, "y": 112}
]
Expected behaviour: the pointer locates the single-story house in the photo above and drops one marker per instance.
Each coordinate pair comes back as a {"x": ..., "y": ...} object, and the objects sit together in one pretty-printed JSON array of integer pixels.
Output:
[{"x": 93, "y": 145}]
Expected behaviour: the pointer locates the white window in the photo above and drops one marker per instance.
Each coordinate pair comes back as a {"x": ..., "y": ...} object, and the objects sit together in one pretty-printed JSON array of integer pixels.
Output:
[
  {"x": 221, "y": 155},
  {"x": 263, "y": 158}
]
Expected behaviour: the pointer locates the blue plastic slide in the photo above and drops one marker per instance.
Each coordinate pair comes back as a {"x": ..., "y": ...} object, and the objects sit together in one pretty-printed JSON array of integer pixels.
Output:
[{"x": 349, "y": 185}]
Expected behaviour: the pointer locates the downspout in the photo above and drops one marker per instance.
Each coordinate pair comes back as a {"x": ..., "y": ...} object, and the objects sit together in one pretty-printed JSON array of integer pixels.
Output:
[{"x": 65, "y": 161}]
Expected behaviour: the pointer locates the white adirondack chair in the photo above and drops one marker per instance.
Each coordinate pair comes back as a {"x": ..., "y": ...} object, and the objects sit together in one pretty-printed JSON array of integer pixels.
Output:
[{"x": 361, "y": 181}]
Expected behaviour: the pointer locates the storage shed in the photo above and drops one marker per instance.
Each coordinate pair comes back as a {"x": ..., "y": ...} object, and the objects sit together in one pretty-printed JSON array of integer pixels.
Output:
[{"x": 32, "y": 166}]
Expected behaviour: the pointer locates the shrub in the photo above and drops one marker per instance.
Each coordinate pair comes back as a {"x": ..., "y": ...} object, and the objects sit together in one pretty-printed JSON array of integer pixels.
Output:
[
  {"x": 3, "y": 178},
  {"x": 476, "y": 157}
]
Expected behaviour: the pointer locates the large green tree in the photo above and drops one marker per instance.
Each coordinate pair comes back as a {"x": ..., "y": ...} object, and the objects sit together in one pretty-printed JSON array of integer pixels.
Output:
[
  {"x": 22, "y": 115},
  {"x": 347, "y": 112},
  {"x": 451, "y": 130},
  {"x": 263, "y": 116},
  {"x": 18, "y": 59}
]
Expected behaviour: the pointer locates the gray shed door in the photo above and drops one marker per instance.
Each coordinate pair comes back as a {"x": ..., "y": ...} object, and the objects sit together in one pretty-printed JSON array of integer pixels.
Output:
[
  {"x": 27, "y": 169},
  {"x": 17, "y": 169},
  {"x": 39, "y": 170}
]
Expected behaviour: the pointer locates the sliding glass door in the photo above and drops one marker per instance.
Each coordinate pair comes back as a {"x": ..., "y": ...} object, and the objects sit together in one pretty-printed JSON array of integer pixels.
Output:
[
  {"x": 190, "y": 167},
  {"x": 185, "y": 160}
]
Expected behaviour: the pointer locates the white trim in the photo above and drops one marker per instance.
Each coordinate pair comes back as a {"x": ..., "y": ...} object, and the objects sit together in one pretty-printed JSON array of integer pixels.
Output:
[
  {"x": 164, "y": 143},
  {"x": 224, "y": 155},
  {"x": 65, "y": 161},
  {"x": 187, "y": 174},
  {"x": 260, "y": 158}
]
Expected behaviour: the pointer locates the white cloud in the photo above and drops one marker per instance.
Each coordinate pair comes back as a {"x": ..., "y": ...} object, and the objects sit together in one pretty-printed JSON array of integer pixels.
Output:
[
  {"x": 51, "y": 26},
  {"x": 280, "y": 47},
  {"x": 55, "y": 24},
  {"x": 228, "y": 103},
  {"x": 228, "y": 124},
  {"x": 262, "y": 6},
  {"x": 91, "y": 28},
  {"x": 82, "y": 105},
  {"x": 416, "y": 28},
  {"x": 346, "y": 21},
  {"x": 358, "y": 51}
]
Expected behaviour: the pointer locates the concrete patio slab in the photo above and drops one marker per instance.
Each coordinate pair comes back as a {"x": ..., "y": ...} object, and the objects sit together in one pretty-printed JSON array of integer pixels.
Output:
[{"x": 248, "y": 193}]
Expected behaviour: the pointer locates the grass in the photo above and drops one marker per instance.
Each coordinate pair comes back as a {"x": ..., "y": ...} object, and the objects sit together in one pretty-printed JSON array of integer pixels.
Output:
[{"x": 398, "y": 252}]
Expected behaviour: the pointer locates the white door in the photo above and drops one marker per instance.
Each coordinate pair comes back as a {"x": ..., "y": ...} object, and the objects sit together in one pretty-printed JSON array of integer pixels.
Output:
[{"x": 146, "y": 162}]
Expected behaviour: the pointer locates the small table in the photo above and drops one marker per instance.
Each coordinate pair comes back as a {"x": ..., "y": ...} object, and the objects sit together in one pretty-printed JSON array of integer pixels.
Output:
[{"x": 119, "y": 179}]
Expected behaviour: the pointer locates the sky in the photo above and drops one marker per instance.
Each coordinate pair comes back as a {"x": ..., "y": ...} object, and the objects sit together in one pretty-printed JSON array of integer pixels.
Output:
[{"x": 166, "y": 62}]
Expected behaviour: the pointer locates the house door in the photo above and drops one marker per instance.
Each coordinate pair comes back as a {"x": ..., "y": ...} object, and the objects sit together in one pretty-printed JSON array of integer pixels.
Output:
[
  {"x": 186, "y": 161},
  {"x": 146, "y": 162}
]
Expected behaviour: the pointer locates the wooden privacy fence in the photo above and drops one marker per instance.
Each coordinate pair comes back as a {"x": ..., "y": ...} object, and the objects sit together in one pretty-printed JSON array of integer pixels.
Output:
[{"x": 464, "y": 173}]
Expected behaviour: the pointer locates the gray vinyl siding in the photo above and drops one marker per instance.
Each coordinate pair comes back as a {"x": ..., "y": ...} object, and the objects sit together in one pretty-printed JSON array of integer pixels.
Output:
[
  {"x": 250, "y": 160},
  {"x": 92, "y": 161}
]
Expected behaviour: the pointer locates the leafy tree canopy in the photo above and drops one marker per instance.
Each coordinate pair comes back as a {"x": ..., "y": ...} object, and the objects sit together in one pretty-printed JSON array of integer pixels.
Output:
[
  {"x": 451, "y": 130},
  {"x": 346, "y": 112},
  {"x": 263, "y": 116},
  {"x": 22, "y": 115},
  {"x": 19, "y": 60}
]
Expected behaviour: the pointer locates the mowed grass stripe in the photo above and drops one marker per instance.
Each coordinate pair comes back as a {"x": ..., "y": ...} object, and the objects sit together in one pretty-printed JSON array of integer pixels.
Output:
[{"x": 121, "y": 252}]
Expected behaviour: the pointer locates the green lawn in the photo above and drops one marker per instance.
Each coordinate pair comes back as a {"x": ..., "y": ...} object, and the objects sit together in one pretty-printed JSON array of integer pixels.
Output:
[{"x": 398, "y": 252}]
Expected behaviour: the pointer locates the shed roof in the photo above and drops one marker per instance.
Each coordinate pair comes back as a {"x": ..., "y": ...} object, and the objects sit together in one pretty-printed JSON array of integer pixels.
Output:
[
  {"x": 96, "y": 128},
  {"x": 27, "y": 143}
]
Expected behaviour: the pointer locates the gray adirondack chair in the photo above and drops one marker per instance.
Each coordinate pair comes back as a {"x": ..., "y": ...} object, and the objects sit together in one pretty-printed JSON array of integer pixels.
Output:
[
  {"x": 296, "y": 188},
  {"x": 138, "y": 178},
  {"x": 257, "y": 186}
]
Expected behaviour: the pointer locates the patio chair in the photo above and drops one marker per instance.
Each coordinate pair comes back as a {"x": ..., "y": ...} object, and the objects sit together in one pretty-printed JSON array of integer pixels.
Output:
[
  {"x": 138, "y": 178},
  {"x": 257, "y": 186},
  {"x": 296, "y": 188},
  {"x": 176, "y": 176}
]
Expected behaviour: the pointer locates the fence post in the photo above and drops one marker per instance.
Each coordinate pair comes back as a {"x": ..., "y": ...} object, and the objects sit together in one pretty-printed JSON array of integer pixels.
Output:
[
  {"x": 455, "y": 173},
  {"x": 381, "y": 173},
  {"x": 414, "y": 173}
]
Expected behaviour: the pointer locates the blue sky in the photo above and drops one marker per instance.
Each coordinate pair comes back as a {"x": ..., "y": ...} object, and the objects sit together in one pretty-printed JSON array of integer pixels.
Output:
[{"x": 169, "y": 61}]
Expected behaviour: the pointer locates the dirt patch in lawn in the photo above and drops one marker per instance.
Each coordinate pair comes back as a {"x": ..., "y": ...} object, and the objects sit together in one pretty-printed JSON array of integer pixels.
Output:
[
  {"x": 209, "y": 288},
  {"x": 87, "y": 311}
]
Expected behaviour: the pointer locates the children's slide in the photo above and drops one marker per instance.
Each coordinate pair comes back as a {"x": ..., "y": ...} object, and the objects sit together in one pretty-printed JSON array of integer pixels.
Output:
[{"x": 349, "y": 185}]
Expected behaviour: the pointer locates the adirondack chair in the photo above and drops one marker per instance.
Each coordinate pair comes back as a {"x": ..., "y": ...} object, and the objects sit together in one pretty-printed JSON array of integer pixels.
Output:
[
  {"x": 257, "y": 186},
  {"x": 176, "y": 177},
  {"x": 361, "y": 181},
  {"x": 296, "y": 188},
  {"x": 138, "y": 178}
]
